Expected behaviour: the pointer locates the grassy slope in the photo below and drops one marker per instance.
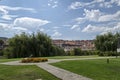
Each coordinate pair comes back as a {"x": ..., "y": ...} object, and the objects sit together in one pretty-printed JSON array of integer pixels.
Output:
[
  {"x": 95, "y": 69},
  {"x": 24, "y": 73}
]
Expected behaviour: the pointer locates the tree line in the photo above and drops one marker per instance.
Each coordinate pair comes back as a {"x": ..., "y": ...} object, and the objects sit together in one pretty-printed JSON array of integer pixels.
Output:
[
  {"x": 106, "y": 44},
  {"x": 36, "y": 45}
]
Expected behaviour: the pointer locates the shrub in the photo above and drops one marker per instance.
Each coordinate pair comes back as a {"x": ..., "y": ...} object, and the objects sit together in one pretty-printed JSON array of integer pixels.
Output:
[{"x": 33, "y": 60}]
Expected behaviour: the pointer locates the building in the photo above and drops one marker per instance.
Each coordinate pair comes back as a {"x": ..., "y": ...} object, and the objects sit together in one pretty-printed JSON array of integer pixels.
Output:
[{"x": 69, "y": 45}]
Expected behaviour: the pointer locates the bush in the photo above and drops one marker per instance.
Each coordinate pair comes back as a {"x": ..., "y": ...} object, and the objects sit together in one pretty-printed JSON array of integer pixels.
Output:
[{"x": 33, "y": 60}]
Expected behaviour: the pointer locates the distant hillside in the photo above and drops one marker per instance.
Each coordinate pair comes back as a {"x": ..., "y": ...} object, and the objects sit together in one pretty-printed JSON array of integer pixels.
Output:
[{"x": 3, "y": 38}]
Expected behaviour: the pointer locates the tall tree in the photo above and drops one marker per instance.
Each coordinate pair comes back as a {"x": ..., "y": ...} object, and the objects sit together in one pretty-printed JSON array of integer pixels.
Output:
[
  {"x": 37, "y": 45},
  {"x": 107, "y": 42}
]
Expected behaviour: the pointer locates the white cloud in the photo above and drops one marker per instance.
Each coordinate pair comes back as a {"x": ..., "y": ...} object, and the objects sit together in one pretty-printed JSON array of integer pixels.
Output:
[
  {"x": 99, "y": 3},
  {"x": 53, "y": 3},
  {"x": 75, "y": 27},
  {"x": 91, "y": 28},
  {"x": 92, "y": 15},
  {"x": 76, "y": 5},
  {"x": 66, "y": 25},
  {"x": 97, "y": 16},
  {"x": 116, "y": 2},
  {"x": 56, "y": 27},
  {"x": 7, "y": 30},
  {"x": 8, "y": 17},
  {"x": 4, "y": 11},
  {"x": 106, "y": 5},
  {"x": 29, "y": 23},
  {"x": 23, "y": 24},
  {"x": 56, "y": 34},
  {"x": 110, "y": 17},
  {"x": 102, "y": 29}
]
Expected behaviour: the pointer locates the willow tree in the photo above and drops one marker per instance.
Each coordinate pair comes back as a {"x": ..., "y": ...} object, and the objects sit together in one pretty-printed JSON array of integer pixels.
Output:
[
  {"x": 107, "y": 42},
  {"x": 24, "y": 45}
]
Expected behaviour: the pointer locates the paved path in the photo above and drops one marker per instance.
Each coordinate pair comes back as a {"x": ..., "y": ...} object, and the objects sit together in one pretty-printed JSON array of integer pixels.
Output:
[{"x": 58, "y": 72}]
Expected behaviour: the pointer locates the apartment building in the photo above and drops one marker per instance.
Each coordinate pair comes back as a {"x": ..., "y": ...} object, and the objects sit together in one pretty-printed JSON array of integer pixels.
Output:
[{"x": 68, "y": 45}]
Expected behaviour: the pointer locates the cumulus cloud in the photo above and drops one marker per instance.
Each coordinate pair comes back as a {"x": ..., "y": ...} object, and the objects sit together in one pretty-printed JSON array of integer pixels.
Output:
[
  {"x": 23, "y": 24},
  {"x": 76, "y": 5},
  {"x": 56, "y": 34},
  {"x": 109, "y": 17},
  {"x": 8, "y": 30},
  {"x": 97, "y": 16},
  {"x": 91, "y": 28},
  {"x": 4, "y": 11},
  {"x": 29, "y": 23},
  {"x": 101, "y": 29},
  {"x": 92, "y": 15},
  {"x": 99, "y": 3}
]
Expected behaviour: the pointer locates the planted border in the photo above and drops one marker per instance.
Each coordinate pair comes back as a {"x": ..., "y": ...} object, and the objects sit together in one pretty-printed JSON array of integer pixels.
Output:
[{"x": 34, "y": 60}]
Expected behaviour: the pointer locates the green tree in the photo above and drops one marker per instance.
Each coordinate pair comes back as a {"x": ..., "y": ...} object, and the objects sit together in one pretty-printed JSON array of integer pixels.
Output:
[
  {"x": 77, "y": 51},
  {"x": 107, "y": 42},
  {"x": 37, "y": 44},
  {"x": 1, "y": 42}
]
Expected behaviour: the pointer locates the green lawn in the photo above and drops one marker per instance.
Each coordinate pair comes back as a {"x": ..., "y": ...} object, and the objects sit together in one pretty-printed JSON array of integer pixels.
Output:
[
  {"x": 8, "y": 60},
  {"x": 70, "y": 57},
  {"x": 24, "y": 73},
  {"x": 95, "y": 69}
]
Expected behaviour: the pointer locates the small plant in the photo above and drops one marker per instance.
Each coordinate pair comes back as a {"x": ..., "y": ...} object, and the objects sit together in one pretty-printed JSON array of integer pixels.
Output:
[{"x": 33, "y": 60}]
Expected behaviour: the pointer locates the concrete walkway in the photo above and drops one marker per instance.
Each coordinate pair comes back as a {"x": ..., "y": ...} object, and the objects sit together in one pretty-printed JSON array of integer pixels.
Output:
[{"x": 58, "y": 72}]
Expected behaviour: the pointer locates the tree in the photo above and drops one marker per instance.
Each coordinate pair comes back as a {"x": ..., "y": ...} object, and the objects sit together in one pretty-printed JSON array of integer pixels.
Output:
[
  {"x": 25, "y": 45},
  {"x": 107, "y": 42},
  {"x": 1, "y": 42},
  {"x": 77, "y": 51}
]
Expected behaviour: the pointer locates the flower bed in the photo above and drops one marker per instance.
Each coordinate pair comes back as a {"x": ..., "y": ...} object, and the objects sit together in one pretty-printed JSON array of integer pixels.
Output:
[{"x": 33, "y": 60}]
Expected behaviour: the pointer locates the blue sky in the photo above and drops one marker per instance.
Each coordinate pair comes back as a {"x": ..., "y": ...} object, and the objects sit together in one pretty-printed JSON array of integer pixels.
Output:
[{"x": 60, "y": 19}]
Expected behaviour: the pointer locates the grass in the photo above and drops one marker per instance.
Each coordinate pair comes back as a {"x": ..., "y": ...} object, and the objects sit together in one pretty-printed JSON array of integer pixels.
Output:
[
  {"x": 70, "y": 57},
  {"x": 8, "y": 60},
  {"x": 95, "y": 69},
  {"x": 24, "y": 73}
]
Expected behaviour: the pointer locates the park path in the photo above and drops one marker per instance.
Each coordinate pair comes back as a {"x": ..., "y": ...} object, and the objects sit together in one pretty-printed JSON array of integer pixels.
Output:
[{"x": 58, "y": 72}]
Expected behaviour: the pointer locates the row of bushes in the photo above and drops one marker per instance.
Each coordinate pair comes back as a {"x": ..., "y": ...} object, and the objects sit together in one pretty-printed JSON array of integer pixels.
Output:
[
  {"x": 85, "y": 53},
  {"x": 109, "y": 53},
  {"x": 33, "y": 60},
  {"x": 82, "y": 53}
]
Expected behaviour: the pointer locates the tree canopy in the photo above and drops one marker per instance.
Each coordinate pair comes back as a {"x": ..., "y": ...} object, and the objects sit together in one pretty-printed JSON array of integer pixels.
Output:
[
  {"x": 35, "y": 45},
  {"x": 107, "y": 42},
  {"x": 1, "y": 42}
]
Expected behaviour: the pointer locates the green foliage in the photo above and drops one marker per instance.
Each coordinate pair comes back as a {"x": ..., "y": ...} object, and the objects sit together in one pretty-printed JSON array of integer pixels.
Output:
[
  {"x": 1, "y": 52},
  {"x": 1, "y": 42},
  {"x": 37, "y": 45},
  {"x": 77, "y": 51},
  {"x": 107, "y": 42},
  {"x": 109, "y": 53}
]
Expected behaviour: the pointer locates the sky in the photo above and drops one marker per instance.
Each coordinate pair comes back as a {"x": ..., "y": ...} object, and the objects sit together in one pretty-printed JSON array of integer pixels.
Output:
[{"x": 60, "y": 19}]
